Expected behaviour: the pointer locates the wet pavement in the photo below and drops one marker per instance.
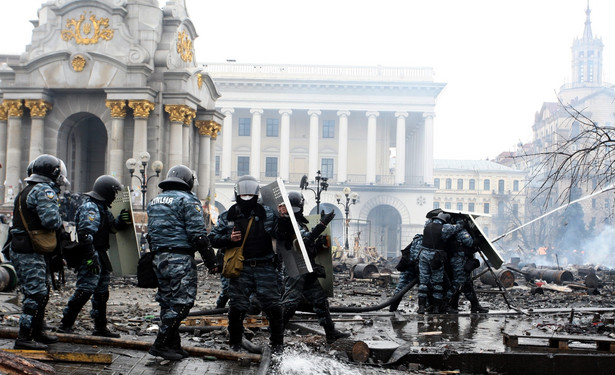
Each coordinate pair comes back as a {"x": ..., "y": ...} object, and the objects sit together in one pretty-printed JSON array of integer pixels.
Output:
[{"x": 133, "y": 313}]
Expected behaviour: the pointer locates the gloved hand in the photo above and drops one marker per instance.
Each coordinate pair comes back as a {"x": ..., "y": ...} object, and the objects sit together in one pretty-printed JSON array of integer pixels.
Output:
[
  {"x": 125, "y": 217},
  {"x": 325, "y": 219},
  {"x": 92, "y": 265}
]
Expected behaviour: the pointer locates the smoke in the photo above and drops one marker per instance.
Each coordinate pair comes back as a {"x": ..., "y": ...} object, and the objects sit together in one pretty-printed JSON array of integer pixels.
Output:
[{"x": 599, "y": 250}]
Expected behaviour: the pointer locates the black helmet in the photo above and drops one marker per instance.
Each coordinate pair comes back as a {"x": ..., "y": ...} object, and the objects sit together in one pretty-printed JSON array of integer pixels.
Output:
[
  {"x": 45, "y": 168},
  {"x": 62, "y": 180},
  {"x": 179, "y": 177},
  {"x": 105, "y": 189},
  {"x": 29, "y": 169},
  {"x": 296, "y": 201},
  {"x": 444, "y": 217},
  {"x": 246, "y": 185},
  {"x": 433, "y": 213}
]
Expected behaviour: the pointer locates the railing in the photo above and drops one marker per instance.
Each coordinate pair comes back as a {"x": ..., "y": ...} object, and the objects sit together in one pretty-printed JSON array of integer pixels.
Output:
[{"x": 319, "y": 72}]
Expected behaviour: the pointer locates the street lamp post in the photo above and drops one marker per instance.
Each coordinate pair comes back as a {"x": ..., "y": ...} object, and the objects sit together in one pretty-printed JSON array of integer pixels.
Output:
[
  {"x": 321, "y": 185},
  {"x": 351, "y": 198},
  {"x": 131, "y": 164}
]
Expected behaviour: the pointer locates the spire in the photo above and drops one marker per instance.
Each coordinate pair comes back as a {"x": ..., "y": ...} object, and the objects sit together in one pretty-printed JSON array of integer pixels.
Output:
[{"x": 587, "y": 32}]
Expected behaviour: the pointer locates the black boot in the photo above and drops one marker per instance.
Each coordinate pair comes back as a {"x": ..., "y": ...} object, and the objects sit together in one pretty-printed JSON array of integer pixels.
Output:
[
  {"x": 161, "y": 347},
  {"x": 422, "y": 305},
  {"x": 176, "y": 345},
  {"x": 24, "y": 338},
  {"x": 324, "y": 318},
  {"x": 276, "y": 325},
  {"x": 74, "y": 306},
  {"x": 289, "y": 312},
  {"x": 38, "y": 321},
  {"x": 476, "y": 307},
  {"x": 99, "y": 306},
  {"x": 235, "y": 328},
  {"x": 453, "y": 304},
  {"x": 437, "y": 306}
]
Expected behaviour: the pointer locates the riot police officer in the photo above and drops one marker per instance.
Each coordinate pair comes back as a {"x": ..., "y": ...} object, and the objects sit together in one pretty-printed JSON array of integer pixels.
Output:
[
  {"x": 36, "y": 207},
  {"x": 259, "y": 274},
  {"x": 408, "y": 267},
  {"x": 307, "y": 285},
  {"x": 437, "y": 233},
  {"x": 176, "y": 229},
  {"x": 95, "y": 223}
]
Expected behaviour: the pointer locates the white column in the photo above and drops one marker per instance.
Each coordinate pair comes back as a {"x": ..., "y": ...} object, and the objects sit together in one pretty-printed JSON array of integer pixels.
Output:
[
  {"x": 204, "y": 157},
  {"x": 285, "y": 143},
  {"x": 186, "y": 144},
  {"x": 116, "y": 147},
  {"x": 255, "y": 154},
  {"x": 428, "y": 151},
  {"x": 313, "y": 144},
  {"x": 227, "y": 144},
  {"x": 176, "y": 118},
  {"x": 342, "y": 148},
  {"x": 212, "y": 163},
  {"x": 13, "y": 149},
  {"x": 370, "y": 170},
  {"x": 400, "y": 146},
  {"x": 38, "y": 111}
]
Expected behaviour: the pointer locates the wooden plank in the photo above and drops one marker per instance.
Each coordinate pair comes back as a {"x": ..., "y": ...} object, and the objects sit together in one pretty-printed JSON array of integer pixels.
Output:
[
  {"x": 251, "y": 321},
  {"x": 561, "y": 343},
  {"x": 42, "y": 355}
]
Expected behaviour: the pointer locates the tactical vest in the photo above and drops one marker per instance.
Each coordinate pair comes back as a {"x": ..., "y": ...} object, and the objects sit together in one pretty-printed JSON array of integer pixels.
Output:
[
  {"x": 32, "y": 219},
  {"x": 101, "y": 237},
  {"x": 432, "y": 236}
]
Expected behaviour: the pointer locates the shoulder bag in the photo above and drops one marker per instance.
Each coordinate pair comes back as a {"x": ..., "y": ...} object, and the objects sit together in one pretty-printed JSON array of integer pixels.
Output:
[
  {"x": 233, "y": 258},
  {"x": 44, "y": 241}
]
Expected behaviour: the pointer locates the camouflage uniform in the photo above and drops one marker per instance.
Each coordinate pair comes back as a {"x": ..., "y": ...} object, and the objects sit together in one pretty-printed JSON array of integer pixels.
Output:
[
  {"x": 92, "y": 218},
  {"x": 176, "y": 229},
  {"x": 412, "y": 272},
  {"x": 431, "y": 261},
  {"x": 41, "y": 211},
  {"x": 307, "y": 285},
  {"x": 259, "y": 274}
]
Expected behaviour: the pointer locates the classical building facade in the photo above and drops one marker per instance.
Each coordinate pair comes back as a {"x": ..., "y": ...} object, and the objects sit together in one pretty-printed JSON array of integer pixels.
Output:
[
  {"x": 366, "y": 128},
  {"x": 485, "y": 187},
  {"x": 104, "y": 81}
]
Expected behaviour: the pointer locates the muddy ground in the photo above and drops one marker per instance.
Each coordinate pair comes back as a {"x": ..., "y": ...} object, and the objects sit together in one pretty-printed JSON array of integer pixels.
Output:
[{"x": 533, "y": 310}]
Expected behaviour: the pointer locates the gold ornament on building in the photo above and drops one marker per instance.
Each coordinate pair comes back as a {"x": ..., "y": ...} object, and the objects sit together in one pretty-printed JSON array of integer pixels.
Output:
[
  {"x": 184, "y": 46},
  {"x": 199, "y": 80},
  {"x": 117, "y": 108},
  {"x": 215, "y": 130},
  {"x": 4, "y": 115},
  {"x": 88, "y": 32},
  {"x": 78, "y": 63},
  {"x": 189, "y": 115},
  {"x": 14, "y": 107},
  {"x": 176, "y": 112},
  {"x": 141, "y": 108},
  {"x": 38, "y": 108}
]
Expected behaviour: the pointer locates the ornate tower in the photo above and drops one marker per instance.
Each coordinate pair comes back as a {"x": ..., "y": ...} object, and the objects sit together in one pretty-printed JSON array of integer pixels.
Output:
[{"x": 587, "y": 57}]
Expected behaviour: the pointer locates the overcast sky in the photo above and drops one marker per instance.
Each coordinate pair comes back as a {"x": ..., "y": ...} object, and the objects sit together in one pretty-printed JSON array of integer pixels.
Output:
[{"x": 500, "y": 59}]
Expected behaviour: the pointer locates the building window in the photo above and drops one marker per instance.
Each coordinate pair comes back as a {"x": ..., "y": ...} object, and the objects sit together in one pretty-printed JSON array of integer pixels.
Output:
[
  {"x": 459, "y": 206},
  {"x": 436, "y": 205},
  {"x": 487, "y": 185},
  {"x": 459, "y": 184},
  {"x": 486, "y": 231},
  {"x": 243, "y": 165},
  {"x": 244, "y": 126},
  {"x": 328, "y": 129},
  {"x": 326, "y": 167},
  {"x": 515, "y": 209},
  {"x": 271, "y": 167},
  {"x": 471, "y": 207},
  {"x": 273, "y": 127},
  {"x": 436, "y": 183},
  {"x": 472, "y": 184},
  {"x": 516, "y": 185},
  {"x": 447, "y": 205},
  {"x": 501, "y": 208},
  {"x": 501, "y": 186},
  {"x": 449, "y": 184},
  {"x": 217, "y": 167},
  {"x": 486, "y": 208}
]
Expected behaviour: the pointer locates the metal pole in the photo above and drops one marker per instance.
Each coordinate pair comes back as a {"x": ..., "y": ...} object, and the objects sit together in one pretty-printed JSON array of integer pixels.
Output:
[{"x": 347, "y": 212}]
